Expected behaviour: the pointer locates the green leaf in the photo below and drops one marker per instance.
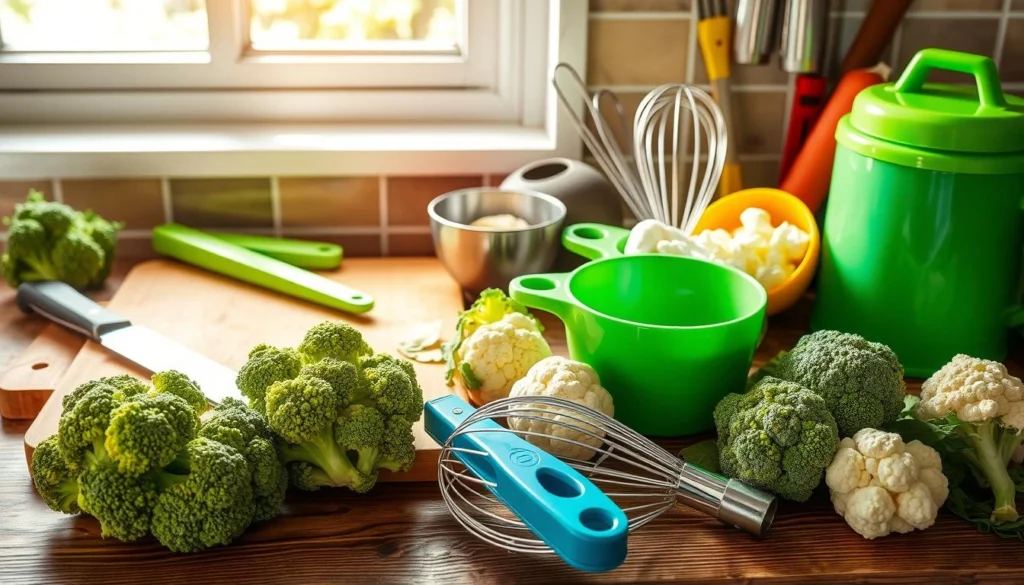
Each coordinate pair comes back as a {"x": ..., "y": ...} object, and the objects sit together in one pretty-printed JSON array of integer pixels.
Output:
[
  {"x": 469, "y": 378},
  {"x": 770, "y": 368},
  {"x": 703, "y": 454}
]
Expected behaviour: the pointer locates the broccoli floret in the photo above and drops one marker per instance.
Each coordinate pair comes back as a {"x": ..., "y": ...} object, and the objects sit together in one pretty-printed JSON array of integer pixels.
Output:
[
  {"x": 332, "y": 339},
  {"x": 55, "y": 481},
  {"x": 205, "y": 499},
  {"x": 122, "y": 502},
  {"x": 778, "y": 436},
  {"x": 85, "y": 420},
  {"x": 125, "y": 386},
  {"x": 149, "y": 431},
  {"x": 180, "y": 385},
  {"x": 77, "y": 259},
  {"x": 342, "y": 376},
  {"x": 392, "y": 387},
  {"x": 29, "y": 244},
  {"x": 398, "y": 450},
  {"x": 300, "y": 409},
  {"x": 321, "y": 462},
  {"x": 862, "y": 382},
  {"x": 51, "y": 241},
  {"x": 360, "y": 432},
  {"x": 233, "y": 424},
  {"x": 266, "y": 365}
]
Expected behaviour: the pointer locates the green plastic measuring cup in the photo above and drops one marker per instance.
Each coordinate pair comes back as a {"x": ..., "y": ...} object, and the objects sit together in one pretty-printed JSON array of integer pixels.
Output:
[{"x": 669, "y": 336}]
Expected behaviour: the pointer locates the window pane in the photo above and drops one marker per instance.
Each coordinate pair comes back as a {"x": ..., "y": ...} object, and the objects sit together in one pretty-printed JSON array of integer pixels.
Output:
[
  {"x": 315, "y": 23},
  {"x": 103, "y": 25}
]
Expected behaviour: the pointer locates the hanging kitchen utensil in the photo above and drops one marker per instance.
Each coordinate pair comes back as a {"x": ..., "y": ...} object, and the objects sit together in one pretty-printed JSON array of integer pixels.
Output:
[
  {"x": 511, "y": 494},
  {"x": 668, "y": 121},
  {"x": 875, "y": 33},
  {"x": 479, "y": 458},
  {"x": 714, "y": 34},
  {"x": 802, "y": 55},
  {"x": 755, "y": 31}
]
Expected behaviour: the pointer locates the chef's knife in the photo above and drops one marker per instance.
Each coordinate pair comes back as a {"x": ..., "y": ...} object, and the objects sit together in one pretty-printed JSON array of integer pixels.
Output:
[{"x": 64, "y": 305}]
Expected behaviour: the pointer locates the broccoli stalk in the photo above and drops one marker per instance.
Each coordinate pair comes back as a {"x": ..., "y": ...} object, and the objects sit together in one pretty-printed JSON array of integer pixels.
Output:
[
  {"x": 328, "y": 464},
  {"x": 993, "y": 445}
]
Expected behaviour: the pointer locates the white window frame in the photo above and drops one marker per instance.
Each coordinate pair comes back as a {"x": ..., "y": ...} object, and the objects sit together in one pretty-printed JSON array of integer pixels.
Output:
[{"x": 218, "y": 132}]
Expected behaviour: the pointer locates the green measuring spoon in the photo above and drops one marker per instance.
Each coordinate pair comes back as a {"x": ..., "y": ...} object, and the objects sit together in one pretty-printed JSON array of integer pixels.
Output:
[
  {"x": 302, "y": 253},
  {"x": 216, "y": 255}
]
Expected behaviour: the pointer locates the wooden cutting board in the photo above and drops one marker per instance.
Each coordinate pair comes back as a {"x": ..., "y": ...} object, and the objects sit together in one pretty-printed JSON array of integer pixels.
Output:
[
  {"x": 223, "y": 319},
  {"x": 33, "y": 375}
]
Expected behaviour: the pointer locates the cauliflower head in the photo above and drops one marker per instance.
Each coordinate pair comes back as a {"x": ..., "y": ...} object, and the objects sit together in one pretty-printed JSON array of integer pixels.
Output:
[
  {"x": 880, "y": 485},
  {"x": 559, "y": 377},
  {"x": 497, "y": 355},
  {"x": 976, "y": 390}
]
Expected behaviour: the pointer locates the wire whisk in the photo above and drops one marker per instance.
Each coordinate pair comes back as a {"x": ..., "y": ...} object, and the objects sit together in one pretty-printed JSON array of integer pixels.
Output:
[
  {"x": 643, "y": 479},
  {"x": 660, "y": 177}
]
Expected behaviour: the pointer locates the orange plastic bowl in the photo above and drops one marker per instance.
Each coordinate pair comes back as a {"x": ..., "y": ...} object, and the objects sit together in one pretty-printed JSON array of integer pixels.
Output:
[{"x": 725, "y": 214}]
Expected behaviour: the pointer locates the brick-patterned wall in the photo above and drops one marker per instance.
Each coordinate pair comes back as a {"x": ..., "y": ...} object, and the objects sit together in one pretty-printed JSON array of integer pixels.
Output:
[{"x": 634, "y": 45}]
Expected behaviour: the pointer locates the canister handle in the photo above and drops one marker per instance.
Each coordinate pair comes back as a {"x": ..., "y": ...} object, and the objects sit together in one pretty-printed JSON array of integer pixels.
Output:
[{"x": 990, "y": 92}]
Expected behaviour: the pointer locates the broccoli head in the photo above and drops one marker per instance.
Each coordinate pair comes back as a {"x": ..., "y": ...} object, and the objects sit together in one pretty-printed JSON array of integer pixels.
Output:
[
  {"x": 861, "y": 381},
  {"x": 333, "y": 339},
  {"x": 51, "y": 241},
  {"x": 266, "y": 365},
  {"x": 779, "y": 436},
  {"x": 345, "y": 414},
  {"x": 55, "y": 481},
  {"x": 140, "y": 462},
  {"x": 205, "y": 500}
]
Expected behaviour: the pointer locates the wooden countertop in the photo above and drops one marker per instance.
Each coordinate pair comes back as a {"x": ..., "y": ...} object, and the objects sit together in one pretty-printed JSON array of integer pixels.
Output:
[{"x": 403, "y": 533}]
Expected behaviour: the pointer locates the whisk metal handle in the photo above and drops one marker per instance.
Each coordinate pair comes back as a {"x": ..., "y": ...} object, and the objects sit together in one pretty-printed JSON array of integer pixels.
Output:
[
  {"x": 730, "y": 501},
  {"x": 561, "y": 506}
]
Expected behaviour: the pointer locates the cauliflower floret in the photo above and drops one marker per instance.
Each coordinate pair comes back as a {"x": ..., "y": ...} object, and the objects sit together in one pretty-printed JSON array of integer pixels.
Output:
[
  {"x": 869, "y": 511},
  {"x": 847, "y": 472},
  {"x": 897, "y": 472},
  {"x": 878, "y": 444},
  {"x": 879, "y": 485},
  {"x": 790, "y": 242},
  {"x": 757, "y": 221},
  {"x": 498, "y": 354},
  {"x": 976, "y": 390},
  {"x": 558, "y": 377}
]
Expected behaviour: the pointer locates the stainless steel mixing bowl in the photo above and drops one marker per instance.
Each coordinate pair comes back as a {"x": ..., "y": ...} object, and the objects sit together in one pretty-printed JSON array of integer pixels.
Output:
[{"x": 480, "y": 258}]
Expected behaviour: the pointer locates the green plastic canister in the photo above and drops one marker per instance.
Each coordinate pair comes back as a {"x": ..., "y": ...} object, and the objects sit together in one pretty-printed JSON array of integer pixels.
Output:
[{"x": 922, "y": 233}]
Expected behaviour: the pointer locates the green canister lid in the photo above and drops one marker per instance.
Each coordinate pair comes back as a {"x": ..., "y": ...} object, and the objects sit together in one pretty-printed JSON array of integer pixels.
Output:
[{"x": 937, "y": 126}]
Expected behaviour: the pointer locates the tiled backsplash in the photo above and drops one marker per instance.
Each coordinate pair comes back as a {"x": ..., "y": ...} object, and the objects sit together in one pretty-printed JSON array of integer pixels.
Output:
[{"x": 633, "y": 46}]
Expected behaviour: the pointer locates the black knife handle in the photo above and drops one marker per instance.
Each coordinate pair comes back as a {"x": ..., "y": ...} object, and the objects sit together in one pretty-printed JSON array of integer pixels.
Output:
[{"x": 64, "y": 305}]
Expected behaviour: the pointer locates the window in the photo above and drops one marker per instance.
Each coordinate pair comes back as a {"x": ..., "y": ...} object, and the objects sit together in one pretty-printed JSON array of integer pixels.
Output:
[{"x": 480, "y": 65}]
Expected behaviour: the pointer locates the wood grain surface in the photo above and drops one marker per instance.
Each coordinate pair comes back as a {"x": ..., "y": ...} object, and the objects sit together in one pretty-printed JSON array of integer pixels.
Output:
[
  {"x": 223, "y": 319},
  {"x": 31, "y": 377},
  {"x": 403, "y": 533}
]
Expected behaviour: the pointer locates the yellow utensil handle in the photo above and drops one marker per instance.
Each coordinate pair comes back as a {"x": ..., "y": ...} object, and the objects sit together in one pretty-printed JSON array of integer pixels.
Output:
[
  {"x": 731, "y": 181},
  {"x": 715, "y": 37}
]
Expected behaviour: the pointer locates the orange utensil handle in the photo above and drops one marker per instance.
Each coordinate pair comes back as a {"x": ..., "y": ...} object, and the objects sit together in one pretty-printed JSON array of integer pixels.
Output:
[{"x": 811, "y": 173}]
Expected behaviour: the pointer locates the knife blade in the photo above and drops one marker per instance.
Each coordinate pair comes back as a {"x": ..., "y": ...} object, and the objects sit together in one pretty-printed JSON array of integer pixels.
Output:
[{"x": 144, "y": 347}]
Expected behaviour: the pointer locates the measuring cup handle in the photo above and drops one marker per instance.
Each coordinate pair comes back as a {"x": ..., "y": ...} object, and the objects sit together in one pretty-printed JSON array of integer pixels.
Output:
[
  {"x": 990, "y": 92},
  {"x": 594, "y": 240},
  {"x": 546, "y": 292}
]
